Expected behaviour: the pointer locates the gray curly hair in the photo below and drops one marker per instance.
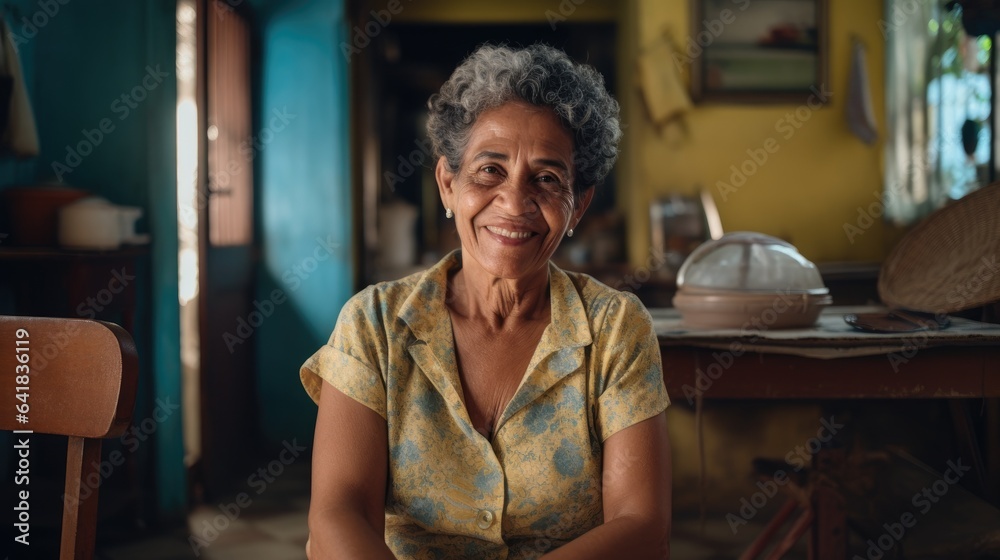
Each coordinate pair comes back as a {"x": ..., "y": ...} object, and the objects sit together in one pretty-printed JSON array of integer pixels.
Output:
[{"x": 539, "y": 75}]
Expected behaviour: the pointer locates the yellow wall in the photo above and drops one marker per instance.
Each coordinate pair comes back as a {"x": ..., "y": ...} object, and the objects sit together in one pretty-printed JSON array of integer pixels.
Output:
[
  {"x": 805, "y": 192},
  {"x": 508, "y": 11}
]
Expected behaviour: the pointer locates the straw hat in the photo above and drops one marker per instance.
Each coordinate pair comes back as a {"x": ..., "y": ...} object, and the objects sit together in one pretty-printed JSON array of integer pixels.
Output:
[{"x": 950, "y": 261}]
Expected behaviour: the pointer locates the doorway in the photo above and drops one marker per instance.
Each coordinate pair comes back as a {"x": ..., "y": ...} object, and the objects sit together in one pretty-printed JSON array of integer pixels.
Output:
[{"x": 216, "y": 235}]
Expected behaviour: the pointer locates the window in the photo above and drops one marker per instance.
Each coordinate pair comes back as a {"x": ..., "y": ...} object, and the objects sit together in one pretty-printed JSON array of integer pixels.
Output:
[{"x": 939, "y": 98}]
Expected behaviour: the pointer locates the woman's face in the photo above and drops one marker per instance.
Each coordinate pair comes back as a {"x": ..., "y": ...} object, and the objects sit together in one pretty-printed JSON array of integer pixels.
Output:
[{"x": 513, "y": 192}]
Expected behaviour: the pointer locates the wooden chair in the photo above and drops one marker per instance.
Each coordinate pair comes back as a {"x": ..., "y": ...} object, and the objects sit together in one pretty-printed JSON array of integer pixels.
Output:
[{"x": 81, "y": 383}]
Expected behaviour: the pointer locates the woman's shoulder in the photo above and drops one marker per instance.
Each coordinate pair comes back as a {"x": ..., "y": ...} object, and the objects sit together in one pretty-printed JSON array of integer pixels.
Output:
[
  {"x": 386, "y": 309},
  {"x": 386, "y": 296},
  {"x": 389, "y": 297},
  {"x": 600, "y": 300}
]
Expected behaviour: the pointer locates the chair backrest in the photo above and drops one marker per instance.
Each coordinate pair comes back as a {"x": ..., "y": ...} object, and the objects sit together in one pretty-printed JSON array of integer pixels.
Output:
[{"x": 70, "y": 377}]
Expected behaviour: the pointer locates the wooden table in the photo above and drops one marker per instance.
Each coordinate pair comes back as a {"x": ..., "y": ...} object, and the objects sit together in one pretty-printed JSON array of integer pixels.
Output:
[{"x": 832, "y": 361}]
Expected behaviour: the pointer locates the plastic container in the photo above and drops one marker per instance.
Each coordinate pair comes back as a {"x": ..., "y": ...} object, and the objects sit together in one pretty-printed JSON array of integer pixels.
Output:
[{"x": 749, "y": 280}]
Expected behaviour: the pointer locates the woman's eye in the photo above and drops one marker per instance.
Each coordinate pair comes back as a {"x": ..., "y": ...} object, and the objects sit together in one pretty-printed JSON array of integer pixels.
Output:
[
  {"x": 488, "y": 175},
  {"x": 550, "y": 182}
]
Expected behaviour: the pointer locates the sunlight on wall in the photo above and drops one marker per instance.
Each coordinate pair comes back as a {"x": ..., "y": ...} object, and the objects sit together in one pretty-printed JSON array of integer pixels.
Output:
[
  {"x": 187, "y": 224},
  {"x": 305, "y": 205}
]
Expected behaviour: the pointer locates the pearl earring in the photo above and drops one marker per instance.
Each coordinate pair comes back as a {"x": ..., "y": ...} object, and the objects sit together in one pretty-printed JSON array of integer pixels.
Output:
[
  {"x": 448, "y": 213},
  {"x": 569, "y": 233}
]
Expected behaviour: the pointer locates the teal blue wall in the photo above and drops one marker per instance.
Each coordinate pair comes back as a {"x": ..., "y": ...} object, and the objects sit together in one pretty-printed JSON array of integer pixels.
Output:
[
  {"x": 161, "y": 147},
  {"x": 77, "y": 66},
  {"x": 91, "y": 53},
  {"x": 304, "y": 195},
  {"x": 13, "y": 171},
  {"x": 87, "y": 58}
]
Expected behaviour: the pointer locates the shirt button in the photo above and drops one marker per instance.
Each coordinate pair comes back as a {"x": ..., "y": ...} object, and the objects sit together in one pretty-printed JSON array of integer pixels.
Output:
[{"x": 484, "y": 519}]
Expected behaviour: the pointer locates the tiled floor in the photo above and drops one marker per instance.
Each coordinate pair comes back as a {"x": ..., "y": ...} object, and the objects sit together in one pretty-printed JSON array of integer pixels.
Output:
[{"x": 272, "y": 526}]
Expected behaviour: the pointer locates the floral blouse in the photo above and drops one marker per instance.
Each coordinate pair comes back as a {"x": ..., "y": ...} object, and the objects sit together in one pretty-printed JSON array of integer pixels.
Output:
[{"x": 453, "y": 493}]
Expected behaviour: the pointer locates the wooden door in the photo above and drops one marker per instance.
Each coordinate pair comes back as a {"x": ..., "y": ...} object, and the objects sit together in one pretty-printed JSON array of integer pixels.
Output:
[{"x": 228, "y": 318}]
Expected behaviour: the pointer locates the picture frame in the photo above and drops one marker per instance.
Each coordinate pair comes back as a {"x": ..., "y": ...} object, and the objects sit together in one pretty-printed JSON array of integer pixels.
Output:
[{"x": 758, "y": 51}]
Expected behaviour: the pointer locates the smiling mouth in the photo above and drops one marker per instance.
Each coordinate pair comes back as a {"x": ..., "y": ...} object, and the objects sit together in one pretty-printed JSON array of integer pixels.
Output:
[{"x": 510, "y": 234}]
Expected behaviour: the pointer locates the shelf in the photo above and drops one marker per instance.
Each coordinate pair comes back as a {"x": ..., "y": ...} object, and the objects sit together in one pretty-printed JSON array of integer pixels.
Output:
[{"x": 58, "y": 253}]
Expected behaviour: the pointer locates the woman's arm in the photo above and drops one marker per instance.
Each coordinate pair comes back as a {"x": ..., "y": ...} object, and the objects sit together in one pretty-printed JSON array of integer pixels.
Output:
[
  {"x": 350, "y": 469},
  {"x": 636, "y": 494}
]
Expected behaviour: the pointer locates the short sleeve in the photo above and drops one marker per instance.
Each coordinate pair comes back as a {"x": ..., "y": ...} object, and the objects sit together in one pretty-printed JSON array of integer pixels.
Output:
[
  {"x": 629, "y": 354},
  {"x": 351, "y": 360}
]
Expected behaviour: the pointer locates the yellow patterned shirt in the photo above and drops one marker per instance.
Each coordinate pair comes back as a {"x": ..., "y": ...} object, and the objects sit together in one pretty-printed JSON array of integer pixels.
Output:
[{"x": 453, "y": 493}]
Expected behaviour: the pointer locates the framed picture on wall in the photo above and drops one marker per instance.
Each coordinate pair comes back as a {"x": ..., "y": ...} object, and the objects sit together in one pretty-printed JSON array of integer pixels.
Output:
[{"x": 758, "y": 51}]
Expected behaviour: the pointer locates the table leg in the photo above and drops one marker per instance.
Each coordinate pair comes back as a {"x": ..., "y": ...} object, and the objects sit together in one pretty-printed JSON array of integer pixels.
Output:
[
  {"x": 968, "y": 443},
  {"x": 993, "y": 450}
]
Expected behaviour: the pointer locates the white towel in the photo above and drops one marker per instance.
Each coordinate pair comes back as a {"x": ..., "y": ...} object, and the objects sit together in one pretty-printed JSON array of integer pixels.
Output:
[
  {"x": 860, "y": 115},
  {"x": 19, "y": 137}
]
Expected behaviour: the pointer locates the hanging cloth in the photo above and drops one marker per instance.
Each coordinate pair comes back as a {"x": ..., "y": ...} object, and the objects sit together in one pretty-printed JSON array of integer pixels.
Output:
[
  {"x": 860, "y": 115},
  {"x": 660, "y": 81},
  {"x": 18, "y": 134}
]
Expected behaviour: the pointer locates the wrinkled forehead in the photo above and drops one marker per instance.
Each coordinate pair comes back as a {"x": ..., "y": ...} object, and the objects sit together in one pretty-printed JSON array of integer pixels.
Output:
[{"x": 519, "y": 129}]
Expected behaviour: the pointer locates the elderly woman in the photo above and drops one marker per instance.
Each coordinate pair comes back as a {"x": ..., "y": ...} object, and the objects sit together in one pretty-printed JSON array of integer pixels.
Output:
[{"x": 495, "y": 406}]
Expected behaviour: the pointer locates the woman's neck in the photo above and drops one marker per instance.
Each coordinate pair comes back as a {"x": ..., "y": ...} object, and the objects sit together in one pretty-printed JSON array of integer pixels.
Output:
[{"x": 476, "y": 294}]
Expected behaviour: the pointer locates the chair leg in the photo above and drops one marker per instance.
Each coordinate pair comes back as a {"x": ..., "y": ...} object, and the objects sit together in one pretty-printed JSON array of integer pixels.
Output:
[
  {"x": 760, "y": 543},
  {"x": 79, "y": 524},
  {"x": 799, "y": 528}
]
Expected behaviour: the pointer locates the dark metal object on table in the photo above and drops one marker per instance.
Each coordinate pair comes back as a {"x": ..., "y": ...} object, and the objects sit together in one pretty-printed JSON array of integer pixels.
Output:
[{"x": 897, "y": 321}]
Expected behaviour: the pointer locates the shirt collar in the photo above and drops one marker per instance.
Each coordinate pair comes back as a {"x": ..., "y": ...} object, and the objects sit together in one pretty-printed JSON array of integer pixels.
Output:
[{"x": 560, "y": 352}]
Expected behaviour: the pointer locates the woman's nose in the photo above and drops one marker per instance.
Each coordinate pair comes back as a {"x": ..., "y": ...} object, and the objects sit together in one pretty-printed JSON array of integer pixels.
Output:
[{"x": 516, "y": 197}]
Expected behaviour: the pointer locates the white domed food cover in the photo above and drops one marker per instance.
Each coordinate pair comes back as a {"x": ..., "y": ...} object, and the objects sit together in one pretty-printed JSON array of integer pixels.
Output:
[{"x": 742, "y": 276}]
